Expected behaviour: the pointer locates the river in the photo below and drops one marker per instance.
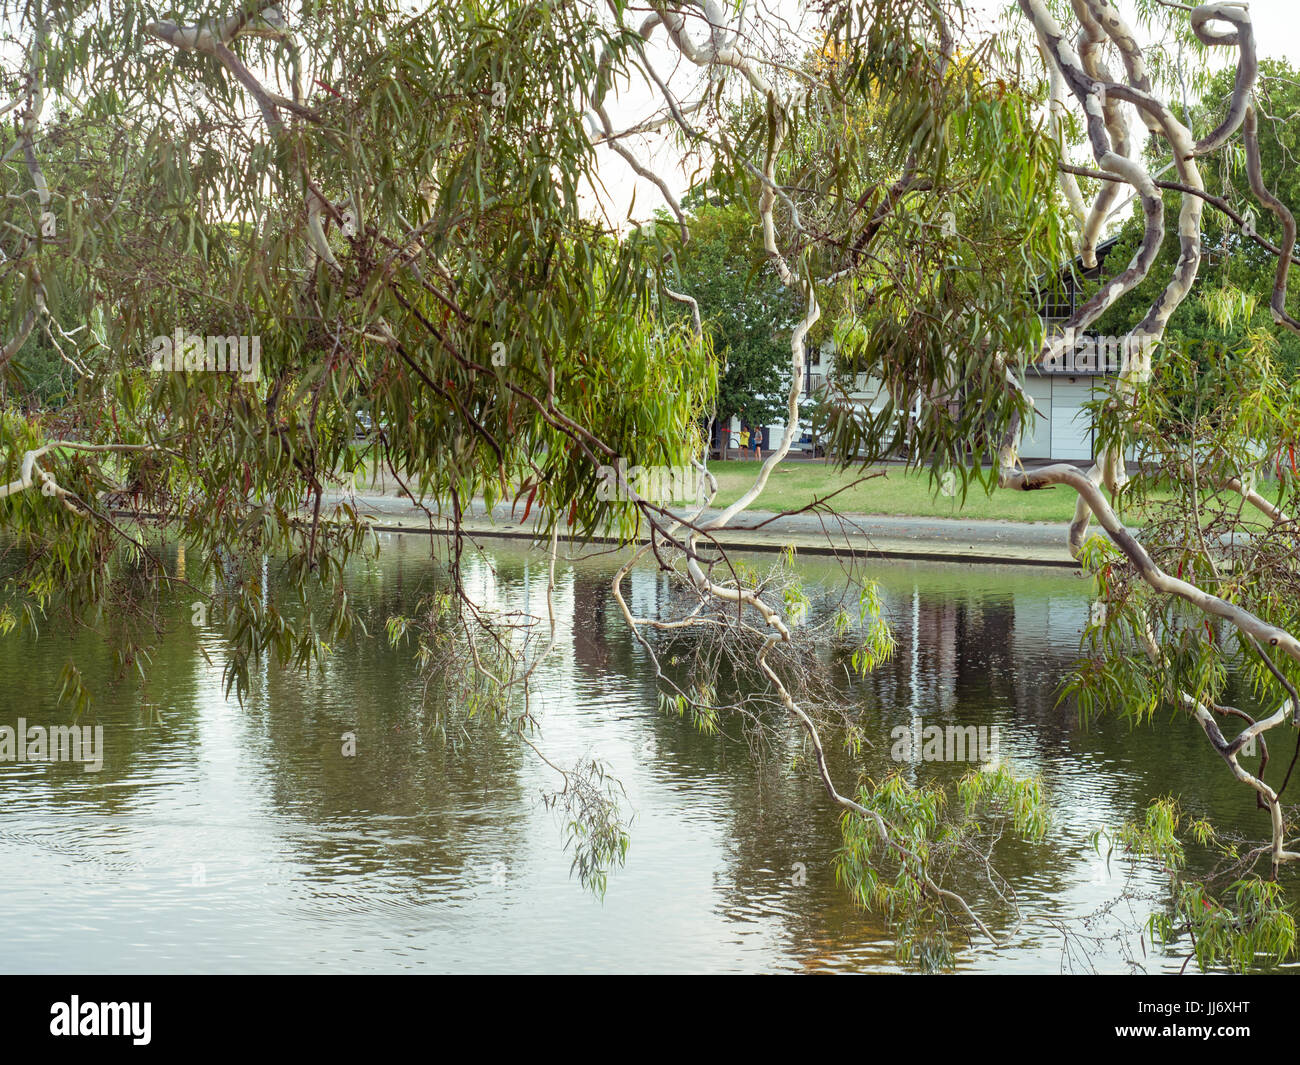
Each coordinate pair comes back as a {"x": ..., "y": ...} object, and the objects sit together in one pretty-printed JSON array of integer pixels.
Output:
[{"x": 221, "y": 838}]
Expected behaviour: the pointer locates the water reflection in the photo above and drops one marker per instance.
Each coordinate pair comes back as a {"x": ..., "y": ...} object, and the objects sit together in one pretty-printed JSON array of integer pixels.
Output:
[{"x": 228, "y": 838}]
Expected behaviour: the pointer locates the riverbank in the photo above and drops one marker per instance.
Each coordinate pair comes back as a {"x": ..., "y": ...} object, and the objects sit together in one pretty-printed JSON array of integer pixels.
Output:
[
  {"x": 913, "y": 538},
  {"x": 887, "y": 488}
]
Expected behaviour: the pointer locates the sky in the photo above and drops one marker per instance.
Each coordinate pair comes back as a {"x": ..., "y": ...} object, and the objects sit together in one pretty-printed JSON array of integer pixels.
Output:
[{"x": 626, "y": 195}]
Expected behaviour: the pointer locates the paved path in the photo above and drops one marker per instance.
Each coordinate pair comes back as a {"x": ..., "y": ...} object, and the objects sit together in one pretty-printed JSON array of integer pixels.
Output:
[{"x": 943, "y": 539}]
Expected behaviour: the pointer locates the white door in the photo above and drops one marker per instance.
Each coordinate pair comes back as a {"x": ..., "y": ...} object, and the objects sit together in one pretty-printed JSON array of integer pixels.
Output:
[
  {"x": 1071, "y": 423},
  {"x": 1036, "y": 434}
]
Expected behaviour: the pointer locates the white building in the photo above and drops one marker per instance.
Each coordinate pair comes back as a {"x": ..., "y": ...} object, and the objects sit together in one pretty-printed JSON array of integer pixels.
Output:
[
  {"x": 1062, "y": 428},
  {"x": 817, "y": 364}
]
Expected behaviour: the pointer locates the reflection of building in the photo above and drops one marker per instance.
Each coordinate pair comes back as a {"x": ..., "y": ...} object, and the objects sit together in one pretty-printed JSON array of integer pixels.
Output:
[
  {"x": 933, "y": 646},
  {"x": 964, "y": 650},
  {"x": 644, "y": 591},
  {"x": 921, "y": 677},
  {"x": 602, "y": 642},
  {"x": 590, "y": 601},
  {"x": 1044, "y": 642}
]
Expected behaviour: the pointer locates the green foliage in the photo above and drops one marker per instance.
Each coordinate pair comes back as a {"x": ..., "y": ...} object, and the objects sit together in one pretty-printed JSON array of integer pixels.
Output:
[
  {"x": 877, "y": 639},
  {"x": 954, "y": 179},
  {"x": 1246, "y": 925},
  {"x": 890, "y": 870},
  {"x": 593, "y": 824},
  {"x": 746, "y": 311},
  {"x": 407, "y": 235},
  {"x": 698, "y": 707},
  {"x": 1210, "y": 415},
  {"x": 515, "y": 347}
]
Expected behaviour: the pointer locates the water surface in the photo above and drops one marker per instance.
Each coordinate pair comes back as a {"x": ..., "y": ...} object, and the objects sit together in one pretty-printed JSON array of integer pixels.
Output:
[{"x": 221, "y": 838}]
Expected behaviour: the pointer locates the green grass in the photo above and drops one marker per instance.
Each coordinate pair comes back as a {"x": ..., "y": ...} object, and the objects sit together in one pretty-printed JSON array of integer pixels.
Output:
[
  {"x": 911, "y": 493},
  {"x": 897, "y": 492},
  {"x": 894, "y": 491}
]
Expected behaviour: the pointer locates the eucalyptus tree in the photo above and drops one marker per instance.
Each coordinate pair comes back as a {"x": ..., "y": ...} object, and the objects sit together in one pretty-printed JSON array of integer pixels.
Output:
[
  {"x": 394, "y": 202},
  {"x": 1233, "y": 263},
  {"x": 1208, "y": 582}
]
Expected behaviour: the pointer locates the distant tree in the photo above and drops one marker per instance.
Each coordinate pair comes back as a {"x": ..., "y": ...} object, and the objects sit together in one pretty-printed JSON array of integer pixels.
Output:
[{"x": 747, "y": 312}]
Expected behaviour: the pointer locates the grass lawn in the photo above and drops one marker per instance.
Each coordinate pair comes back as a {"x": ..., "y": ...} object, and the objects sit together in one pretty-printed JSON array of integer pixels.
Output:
[
  {"x": 897, "y": 491},
  {"x": 904, "y": 492},
  {"x": 907, "y": 493}
]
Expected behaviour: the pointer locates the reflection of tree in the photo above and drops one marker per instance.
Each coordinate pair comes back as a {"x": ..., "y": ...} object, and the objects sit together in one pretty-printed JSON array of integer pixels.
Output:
[
  {"x": 782, "y": 836},
  {"x": 137, "y": 718},
  {"x": 963, "y": 651},
  {"x": 406, "y": 803},
  {"x": 1044, "y": 641},
  {"x": 983, "y": 627}
]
